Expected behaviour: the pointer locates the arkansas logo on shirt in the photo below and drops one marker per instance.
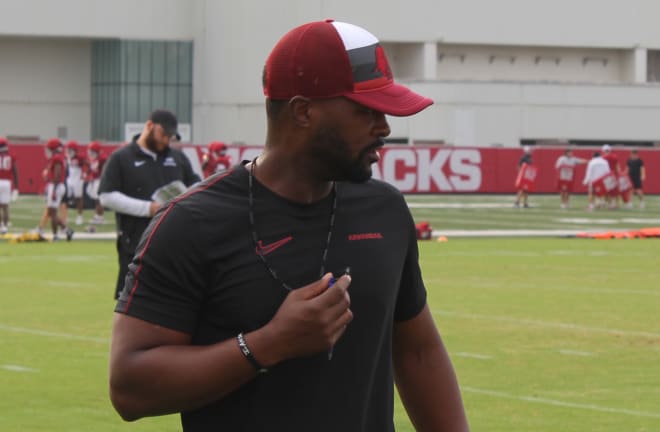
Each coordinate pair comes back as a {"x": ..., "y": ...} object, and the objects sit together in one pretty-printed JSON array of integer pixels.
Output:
[{"x": 169, "y": 161}]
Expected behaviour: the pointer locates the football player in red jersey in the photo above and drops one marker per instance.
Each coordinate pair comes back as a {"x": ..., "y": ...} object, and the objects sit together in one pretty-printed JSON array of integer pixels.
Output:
[
  {"x": 613, "y": 161},
  {"x": 74, "y": 181},
  {"x": 216, "y": 159},
  {"x": 94, "y": 168},
  {"x": 54, "y": 174},
  {"x": 8, "y": 172}
]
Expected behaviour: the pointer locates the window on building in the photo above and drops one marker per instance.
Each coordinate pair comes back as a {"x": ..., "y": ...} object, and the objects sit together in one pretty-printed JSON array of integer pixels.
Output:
[{"x": 132, "y": 78}]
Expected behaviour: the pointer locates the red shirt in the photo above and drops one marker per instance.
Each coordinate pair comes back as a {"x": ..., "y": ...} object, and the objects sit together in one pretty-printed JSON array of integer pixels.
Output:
[
  {"x": 94, "y": 168},
  {"x": 215, "y": 164},
  {"x": 56, "y": 160},
  {"x": 613, "y": 162},
  {"x": 7, "y": 162}
]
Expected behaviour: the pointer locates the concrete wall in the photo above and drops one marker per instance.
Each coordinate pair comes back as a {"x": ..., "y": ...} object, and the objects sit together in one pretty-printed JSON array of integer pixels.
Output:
[
  {"x": 44, "y": 85},
  {"x": 127, "y": 19},
  {"x": 233, "y": 38},
  {"x": 485, "y": 114}
]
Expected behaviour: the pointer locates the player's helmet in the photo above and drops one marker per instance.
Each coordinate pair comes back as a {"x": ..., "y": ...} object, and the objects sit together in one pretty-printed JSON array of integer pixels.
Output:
[
  {"x": 72, "y": 148},
  {"x": 217, "y": 147},
  {"x": 53, "y": 145},
  {"x": 94, "y": 148}
]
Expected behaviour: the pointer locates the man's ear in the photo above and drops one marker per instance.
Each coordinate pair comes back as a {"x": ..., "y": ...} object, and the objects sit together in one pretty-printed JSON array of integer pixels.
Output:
[{"x": 299, "y": 107}]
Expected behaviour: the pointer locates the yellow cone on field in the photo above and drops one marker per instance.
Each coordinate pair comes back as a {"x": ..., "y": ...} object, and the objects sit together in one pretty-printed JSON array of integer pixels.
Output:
[{"x": 442, "y": 239}]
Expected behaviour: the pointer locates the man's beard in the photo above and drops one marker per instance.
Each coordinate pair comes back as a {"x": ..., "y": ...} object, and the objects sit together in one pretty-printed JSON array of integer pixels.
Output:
[
  {"x": 334, "y": 153},
  {"x": 152, "y": 144}
]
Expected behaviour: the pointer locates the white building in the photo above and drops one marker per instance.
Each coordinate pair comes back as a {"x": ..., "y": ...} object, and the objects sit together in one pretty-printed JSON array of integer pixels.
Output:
[{"x": 499, "y": 71}]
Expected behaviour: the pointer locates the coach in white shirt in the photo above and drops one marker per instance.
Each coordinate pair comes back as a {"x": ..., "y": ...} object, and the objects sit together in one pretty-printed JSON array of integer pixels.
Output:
[{"x": 597, "y": 168}]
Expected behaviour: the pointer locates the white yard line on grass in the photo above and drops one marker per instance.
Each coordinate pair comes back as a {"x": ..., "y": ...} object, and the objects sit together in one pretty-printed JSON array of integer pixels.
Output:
[
  {"x": 545, "y": 401},
  {"x": 456, "y": 205},
  {"x": 551, "y": 324},
  {"x": 473, "y": 355},
  {"x": 68, "y": 284},
  {"x": 17, "y": 368},
  {"x": 576, "y": 353},
  {"x": 45, "y": 333}
]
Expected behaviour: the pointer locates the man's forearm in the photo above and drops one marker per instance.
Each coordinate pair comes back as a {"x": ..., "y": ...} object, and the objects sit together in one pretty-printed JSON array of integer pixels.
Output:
[
  {"x": 175, "y": 378},
  {"x": 122, "y": 203}
]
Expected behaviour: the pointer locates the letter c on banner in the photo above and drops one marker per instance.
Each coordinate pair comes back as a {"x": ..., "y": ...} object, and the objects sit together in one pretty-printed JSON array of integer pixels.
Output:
[{"x": 402, "y": 180}]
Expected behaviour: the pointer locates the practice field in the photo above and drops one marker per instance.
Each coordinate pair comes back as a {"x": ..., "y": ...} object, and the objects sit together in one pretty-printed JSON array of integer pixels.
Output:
[
  {"x": 545, "y": 334},
  {"x": 445, "y": 212}
]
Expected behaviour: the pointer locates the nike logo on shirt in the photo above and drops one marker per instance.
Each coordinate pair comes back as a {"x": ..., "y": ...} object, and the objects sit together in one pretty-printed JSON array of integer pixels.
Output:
[
  {"x": 266, "y": 249},
  {"x": 139, "y": 163}
]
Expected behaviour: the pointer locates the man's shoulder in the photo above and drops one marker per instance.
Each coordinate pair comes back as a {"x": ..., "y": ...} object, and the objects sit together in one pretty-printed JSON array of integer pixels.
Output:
[
  {"x": 124, "y": 151},
  {"x": 370, "y": 188}
]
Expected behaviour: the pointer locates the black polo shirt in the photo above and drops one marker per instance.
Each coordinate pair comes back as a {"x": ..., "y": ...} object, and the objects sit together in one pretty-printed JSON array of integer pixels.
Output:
[
  {"x": 635, "y": 169},
  {"x": 211, "y": 284},
  {"x": 137, "y": 174}
]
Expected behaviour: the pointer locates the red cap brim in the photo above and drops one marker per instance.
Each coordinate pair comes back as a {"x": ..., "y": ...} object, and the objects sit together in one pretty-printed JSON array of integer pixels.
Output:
[{"x": 396, "y": 100}]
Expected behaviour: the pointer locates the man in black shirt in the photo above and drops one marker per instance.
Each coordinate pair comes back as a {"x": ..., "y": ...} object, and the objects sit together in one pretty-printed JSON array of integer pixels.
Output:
[
  {"x": 286, "y": 294},
  {"x": 637, "y": 174},
  {"x": 131, "y": 176}
]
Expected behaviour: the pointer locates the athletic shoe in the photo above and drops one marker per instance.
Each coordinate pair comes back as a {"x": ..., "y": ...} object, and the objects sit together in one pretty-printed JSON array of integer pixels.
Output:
[
  {"x": 642, "y": 205},
  {"x": 3, "y": 229},
  {"x": 97, "y": 219},
  {"x": 79, "y": 220},
  {"x": 629, "y": 205},
  {"x": 563, "y": 206},
  {"x": 69, "y": 234}
]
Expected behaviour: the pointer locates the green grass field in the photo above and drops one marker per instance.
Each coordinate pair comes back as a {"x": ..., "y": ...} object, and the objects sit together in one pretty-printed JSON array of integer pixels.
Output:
[{"x": 546, "y": 334}]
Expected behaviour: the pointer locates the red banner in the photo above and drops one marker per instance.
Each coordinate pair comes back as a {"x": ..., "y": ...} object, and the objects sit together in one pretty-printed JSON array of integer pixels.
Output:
[{"x": 412, "y": 169}]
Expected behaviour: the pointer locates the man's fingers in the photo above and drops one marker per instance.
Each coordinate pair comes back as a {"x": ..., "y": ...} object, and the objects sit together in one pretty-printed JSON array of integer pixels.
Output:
[
  {"x": 341, "y": 325},
  {"x": 314, "y": 289}
]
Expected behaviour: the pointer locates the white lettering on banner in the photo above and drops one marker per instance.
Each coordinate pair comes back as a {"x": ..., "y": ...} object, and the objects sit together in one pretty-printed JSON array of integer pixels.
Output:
[
  {"x": 428, "y": 169},
  {"x": 418, "y": 171},
  {"x": 407, "y": 169},
  {"x": 407, "y": 182},
  {"x": 465, "y": 164}
]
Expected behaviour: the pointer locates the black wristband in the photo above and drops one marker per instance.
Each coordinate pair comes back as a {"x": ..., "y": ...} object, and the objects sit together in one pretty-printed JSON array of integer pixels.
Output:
[{"x": 248, "y": 354}]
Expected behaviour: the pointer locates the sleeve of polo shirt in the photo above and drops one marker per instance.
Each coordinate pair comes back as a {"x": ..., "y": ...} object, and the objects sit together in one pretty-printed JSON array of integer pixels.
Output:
[
  {"x": 412, "y": 292},
  {"x": 111, "y": 177},
  {"x": 166, "y": 278}
]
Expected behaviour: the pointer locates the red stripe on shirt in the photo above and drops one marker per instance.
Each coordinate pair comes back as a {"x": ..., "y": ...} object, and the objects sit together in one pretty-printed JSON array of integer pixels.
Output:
[{"x": 153, "y": 231}]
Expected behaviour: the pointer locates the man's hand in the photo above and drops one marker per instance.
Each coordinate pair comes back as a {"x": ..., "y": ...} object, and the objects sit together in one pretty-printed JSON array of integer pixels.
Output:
[
  {"x": 312, "y": 318},
  {"x": 153, "y": 207}
]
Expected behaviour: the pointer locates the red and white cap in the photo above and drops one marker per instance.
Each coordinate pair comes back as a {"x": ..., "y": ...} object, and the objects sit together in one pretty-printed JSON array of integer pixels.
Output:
[{"x": 326, "y": 59}]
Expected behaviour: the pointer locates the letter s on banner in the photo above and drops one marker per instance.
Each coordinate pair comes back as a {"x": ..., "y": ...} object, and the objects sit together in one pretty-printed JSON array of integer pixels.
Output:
[{"x": 466, "y": 170}]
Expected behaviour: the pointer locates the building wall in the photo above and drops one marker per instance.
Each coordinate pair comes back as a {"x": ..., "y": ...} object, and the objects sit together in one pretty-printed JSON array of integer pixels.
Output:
[
  {"x": 482, "y": 101},
  {"x": 45, "y": 85},
  {"x": 127, "y": 19}
]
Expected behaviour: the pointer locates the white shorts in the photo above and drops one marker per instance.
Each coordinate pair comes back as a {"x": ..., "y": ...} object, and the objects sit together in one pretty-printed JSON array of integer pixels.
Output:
[
  {"x": 74, "y": 187},
  {"x": 5, "y": 191},
  {"x": 93, "y": 189},
  {"x": 55, "y": 195}
]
